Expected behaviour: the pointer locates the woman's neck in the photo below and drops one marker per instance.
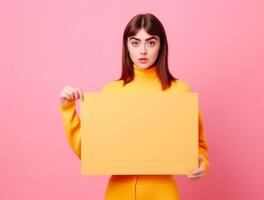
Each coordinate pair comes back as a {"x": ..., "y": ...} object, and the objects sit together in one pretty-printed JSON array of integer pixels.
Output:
[{"x": 147, "y": 74}]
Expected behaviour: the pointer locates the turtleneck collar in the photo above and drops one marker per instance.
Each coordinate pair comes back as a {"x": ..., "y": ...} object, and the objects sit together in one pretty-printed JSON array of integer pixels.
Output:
[{"x": 148, "y": 74}]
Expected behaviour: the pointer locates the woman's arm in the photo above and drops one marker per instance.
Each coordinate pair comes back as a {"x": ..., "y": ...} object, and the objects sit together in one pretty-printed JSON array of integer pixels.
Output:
[
  {"x": 203, "y": 145},
  {"x": 71, "y": 125}
]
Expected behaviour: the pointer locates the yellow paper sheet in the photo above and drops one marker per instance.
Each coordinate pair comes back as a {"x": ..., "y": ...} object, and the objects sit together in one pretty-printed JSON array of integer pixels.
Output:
[{"x": 139, "y": 133}]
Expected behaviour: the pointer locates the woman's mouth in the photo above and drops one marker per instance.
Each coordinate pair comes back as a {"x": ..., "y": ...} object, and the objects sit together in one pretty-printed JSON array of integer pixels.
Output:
[{"x": 143, "y": 60}]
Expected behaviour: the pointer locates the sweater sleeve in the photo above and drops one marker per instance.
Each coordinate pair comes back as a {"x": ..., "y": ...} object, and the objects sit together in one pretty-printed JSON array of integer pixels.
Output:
[
  {"x": 203, "y": 144},
  {"x": 71, "y": 124}
]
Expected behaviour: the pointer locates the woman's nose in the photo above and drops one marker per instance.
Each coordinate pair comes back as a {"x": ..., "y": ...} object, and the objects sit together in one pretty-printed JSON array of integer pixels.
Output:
[{"x": 143, "y": 49}]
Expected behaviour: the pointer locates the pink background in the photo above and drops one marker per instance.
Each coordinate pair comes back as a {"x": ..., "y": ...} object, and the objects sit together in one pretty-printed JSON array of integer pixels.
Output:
[{"x": 216, "y": 46}]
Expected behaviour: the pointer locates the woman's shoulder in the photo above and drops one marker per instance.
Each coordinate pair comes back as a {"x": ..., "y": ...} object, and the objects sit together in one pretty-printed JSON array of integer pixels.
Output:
[
  {"x": 114, "y": 85},
  {"x": 180, "y": 85}
]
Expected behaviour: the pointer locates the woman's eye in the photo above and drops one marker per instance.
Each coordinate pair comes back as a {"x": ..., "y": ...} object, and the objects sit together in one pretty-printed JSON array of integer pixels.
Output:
[
  {"x": 149, "y": 43},
  {"x": 134, "y": 43},
  {"x": 152, "y": 43}
]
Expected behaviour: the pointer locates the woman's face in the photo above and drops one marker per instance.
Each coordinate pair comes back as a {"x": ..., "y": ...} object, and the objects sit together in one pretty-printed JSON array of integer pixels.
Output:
[{"x": 143, "y": 45}]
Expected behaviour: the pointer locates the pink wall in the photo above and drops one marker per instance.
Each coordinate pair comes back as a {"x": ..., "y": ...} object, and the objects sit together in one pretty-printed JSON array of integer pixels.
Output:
[{"x": 216, "y": 46}]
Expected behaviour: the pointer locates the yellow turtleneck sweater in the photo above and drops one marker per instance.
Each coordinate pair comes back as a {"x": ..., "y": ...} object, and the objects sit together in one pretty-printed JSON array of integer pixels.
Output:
[{"x": 145, "y": 80}]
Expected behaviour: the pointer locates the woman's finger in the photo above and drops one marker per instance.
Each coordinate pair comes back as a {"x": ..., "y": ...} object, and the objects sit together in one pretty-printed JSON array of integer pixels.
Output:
[
  {"x": 65, "y": 96},
  {"x": 80, "y": 93},
  {"x": 200, "y": 159},
  {"x": 200, "y": 168},
  {"x": 76, "y": 93},
  {"x": 71, "y": 95},
  {"x": 196, "y": 176},
  {"x": 198, "y": 171}
]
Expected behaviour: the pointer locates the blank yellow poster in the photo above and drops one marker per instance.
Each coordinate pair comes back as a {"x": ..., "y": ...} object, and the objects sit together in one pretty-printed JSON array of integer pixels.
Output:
[{"x": 139, "y": 133}]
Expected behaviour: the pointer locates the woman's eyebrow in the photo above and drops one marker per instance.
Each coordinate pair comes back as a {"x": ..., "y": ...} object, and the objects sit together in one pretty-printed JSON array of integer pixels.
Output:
[{"x": 153, "y": 37}]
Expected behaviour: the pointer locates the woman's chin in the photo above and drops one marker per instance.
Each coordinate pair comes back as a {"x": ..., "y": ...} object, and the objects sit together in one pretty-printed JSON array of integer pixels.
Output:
[{"x": 144, "y": 66}]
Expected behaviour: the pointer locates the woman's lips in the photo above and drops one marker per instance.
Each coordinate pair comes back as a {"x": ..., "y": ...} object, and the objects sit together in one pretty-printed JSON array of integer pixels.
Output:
[{"x": 143, "y": 60}]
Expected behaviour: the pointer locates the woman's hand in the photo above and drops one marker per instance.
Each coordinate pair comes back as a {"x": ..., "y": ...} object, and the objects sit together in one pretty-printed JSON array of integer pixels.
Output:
[
  {"x": 198, "y": 172},
  {"x": 70, "y": 94}
]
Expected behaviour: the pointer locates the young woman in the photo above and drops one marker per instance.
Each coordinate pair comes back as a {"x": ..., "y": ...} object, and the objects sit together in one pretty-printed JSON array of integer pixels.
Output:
[{"x": 144, "y": 69}]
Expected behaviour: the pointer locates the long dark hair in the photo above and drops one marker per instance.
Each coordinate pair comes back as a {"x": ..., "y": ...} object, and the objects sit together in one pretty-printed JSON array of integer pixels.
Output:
[{"x": 152, "y": 26}]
